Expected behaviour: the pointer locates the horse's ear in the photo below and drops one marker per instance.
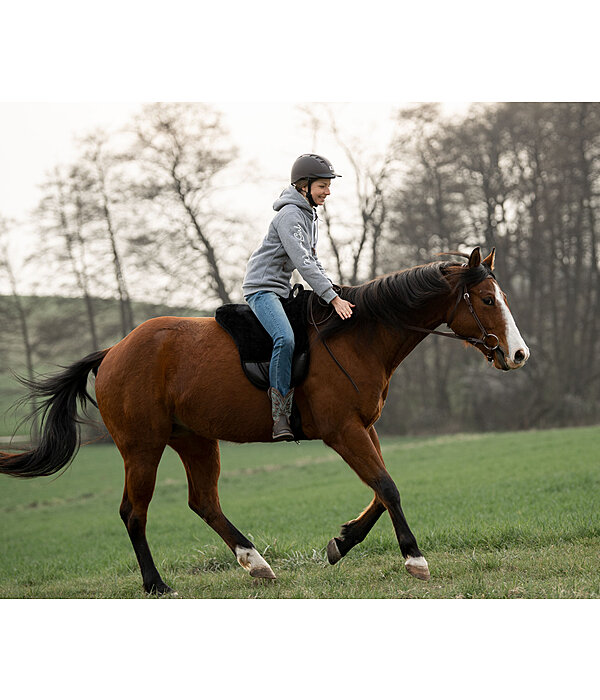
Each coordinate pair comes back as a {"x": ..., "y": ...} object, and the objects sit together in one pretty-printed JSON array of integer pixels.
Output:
[
  {"x": 489, "y": 261},
  {"x": 475, "y": 257}
]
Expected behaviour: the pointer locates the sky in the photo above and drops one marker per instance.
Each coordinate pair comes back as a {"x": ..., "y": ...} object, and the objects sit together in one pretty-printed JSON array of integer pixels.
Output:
[{"x": 36, "y": 136}]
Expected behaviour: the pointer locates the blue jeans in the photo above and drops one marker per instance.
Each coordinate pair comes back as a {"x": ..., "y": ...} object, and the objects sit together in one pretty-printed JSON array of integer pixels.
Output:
[{"x": 269, "y": 311}]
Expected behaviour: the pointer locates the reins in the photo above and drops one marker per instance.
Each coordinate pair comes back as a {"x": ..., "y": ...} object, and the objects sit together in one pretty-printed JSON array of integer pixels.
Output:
[{"x": 315, "y": 325}]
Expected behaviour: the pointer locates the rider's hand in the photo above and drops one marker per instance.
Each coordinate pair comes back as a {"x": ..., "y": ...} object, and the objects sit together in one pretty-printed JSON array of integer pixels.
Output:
[{"x": 342, "y": 307}]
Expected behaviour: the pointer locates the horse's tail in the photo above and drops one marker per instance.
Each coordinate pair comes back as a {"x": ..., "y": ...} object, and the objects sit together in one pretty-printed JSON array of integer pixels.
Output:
[{"x": 60, "y": 435}]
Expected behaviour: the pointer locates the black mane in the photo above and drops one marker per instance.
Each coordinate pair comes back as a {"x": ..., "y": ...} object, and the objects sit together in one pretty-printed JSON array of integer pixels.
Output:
[{"x": 397, "y": 298}]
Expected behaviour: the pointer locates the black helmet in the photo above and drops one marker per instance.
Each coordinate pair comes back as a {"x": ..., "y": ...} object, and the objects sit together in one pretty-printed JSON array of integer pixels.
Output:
[{"x": 312, "y": 167}]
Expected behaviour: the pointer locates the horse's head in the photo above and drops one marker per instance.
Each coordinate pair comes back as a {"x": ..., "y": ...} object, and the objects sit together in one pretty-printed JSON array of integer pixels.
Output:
[{"x": 482, "y": 315}]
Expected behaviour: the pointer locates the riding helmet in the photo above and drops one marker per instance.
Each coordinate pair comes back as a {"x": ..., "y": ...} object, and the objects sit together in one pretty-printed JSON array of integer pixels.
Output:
[{"x": 312, "y": 167}]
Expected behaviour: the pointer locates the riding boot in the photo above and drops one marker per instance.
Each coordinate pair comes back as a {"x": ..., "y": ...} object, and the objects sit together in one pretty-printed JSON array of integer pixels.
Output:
[{"x": 281, "y": 409}]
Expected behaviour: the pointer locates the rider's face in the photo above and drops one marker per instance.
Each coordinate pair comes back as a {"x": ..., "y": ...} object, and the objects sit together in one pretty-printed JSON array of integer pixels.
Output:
[{"x": 319, "y": 191}]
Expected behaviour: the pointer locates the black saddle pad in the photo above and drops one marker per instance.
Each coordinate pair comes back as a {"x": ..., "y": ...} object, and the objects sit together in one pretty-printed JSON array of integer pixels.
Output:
[{"x": 255, "y": 344}]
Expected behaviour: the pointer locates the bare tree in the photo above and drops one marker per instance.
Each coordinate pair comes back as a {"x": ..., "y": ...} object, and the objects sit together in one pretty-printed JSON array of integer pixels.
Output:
[
  {"x": 64, "y": 212},
  {"x": 21, "y": 313},
  {"x": 371, "y": 178},
  {"x": 181, "y": 148},
  {"x": 370, "y": 181},
  {"x": 524, "y": 178},
  {"x": 97, "y": 165}
]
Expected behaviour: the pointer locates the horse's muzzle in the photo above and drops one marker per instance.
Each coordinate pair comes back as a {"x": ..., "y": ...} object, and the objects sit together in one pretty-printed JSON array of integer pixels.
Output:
[{"x": 501, "y": 362}]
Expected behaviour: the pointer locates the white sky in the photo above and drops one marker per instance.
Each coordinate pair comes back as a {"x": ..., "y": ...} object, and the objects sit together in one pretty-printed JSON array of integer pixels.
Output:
[
  {"x": 34, "y": 137},
  {"x": 37, "y": 136}
]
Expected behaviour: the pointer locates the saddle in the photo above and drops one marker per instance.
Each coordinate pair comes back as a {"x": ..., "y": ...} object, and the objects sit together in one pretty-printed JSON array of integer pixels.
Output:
[{"x": 255, "y": 345}]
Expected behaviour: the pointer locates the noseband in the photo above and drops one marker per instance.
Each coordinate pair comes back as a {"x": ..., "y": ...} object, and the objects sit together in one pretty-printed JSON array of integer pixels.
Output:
[{"x": 489, "y": 341}]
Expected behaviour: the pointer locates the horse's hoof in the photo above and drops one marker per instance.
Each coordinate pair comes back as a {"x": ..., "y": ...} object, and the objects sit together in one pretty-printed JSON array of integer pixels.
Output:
[
  {"x": 254, "y": 564},
  {"x": 264, "y": 572},
  {"x": 417, "y": 567},
  {"x": 333, "y": 553}
]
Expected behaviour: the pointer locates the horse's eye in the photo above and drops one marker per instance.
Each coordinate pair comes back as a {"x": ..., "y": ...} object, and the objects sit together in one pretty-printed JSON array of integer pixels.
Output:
[{"x": 489, "y": 301}]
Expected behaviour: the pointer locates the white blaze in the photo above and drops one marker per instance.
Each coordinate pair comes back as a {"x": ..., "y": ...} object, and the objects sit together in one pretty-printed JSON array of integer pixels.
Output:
[{"x": 513, "y": 337}]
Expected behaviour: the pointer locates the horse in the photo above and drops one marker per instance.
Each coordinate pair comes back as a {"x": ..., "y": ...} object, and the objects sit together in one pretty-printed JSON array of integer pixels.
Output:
[{"x": 179, "y": 382}]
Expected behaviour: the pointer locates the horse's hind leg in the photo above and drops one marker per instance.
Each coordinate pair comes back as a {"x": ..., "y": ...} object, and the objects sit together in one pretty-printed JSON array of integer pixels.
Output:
[
  {"x": 355, "y": 531},
  {"x": 140, "y": 479},
  {"x": 202, "y": 463}
]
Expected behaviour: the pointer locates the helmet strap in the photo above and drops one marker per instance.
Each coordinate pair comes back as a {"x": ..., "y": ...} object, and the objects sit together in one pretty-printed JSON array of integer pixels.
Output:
[{"x": 311, "y": 201}]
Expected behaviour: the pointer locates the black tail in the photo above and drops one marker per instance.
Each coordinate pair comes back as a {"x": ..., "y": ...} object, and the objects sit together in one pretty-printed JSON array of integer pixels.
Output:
[{"x": 60, "y": 425}]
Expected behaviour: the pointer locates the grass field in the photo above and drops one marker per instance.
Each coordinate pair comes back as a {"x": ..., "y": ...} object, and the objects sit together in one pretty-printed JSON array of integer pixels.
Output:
[{"x": 512, "y": 515}]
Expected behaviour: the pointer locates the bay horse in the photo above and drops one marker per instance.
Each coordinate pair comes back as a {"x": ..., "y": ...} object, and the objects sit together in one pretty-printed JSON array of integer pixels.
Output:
[{"x": 179, "y": 382}]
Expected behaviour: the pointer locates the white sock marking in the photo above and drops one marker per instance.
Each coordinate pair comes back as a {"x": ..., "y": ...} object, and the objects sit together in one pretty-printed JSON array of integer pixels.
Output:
[
  {"x": 417, "y": 562},
  {"x": 250, "y": 559}
]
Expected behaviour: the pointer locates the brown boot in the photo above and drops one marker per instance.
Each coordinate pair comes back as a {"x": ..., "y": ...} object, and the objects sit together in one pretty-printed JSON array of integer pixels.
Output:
[{"x": 281, "y": 409}]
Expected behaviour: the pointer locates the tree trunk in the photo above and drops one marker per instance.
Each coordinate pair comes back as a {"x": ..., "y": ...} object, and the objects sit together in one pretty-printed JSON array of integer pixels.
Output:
[
  {"x": 27, "y": 345},
  {"x": 218, "y": 282},
  {"x": 79, "y": 271},
  {"x": 127, "y": 322}
]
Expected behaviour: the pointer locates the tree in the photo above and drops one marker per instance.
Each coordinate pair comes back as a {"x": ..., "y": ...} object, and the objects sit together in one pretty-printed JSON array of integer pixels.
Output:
[
  {"x": 181, "y": 148},
  {"x": 20, "y": 310},
  {"x": 555, "y": 152},
  {"x": 96, "y": 172},
  {"x": 371, "y": 174},
  {"x": 64, "y": 213},
  {"x": 523, "y": 178}
]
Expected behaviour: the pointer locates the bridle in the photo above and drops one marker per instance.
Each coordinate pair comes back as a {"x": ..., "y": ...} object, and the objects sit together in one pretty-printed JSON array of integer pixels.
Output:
[{"x": 489, "y": 341}]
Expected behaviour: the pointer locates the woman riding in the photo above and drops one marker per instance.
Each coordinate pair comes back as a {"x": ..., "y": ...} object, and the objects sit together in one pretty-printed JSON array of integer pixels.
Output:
[{"x": 290, "y": 244}]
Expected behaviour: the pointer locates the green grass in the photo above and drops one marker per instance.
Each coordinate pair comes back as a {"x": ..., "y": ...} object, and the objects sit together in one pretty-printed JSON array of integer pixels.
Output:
[{"x": 513, "y": 515}]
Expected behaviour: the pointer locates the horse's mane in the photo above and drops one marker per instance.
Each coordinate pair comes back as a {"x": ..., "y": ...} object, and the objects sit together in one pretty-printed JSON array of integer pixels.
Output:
[{"x": 395, "y": 299}]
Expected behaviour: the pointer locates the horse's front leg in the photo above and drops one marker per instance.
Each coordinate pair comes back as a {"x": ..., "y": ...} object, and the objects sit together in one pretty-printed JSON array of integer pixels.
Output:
[
  {"x": 355, "y": 531},
  {"x": 354, "y": 444}
]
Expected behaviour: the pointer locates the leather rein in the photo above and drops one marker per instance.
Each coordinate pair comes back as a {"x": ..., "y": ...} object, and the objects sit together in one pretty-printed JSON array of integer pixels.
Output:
[
  {"x": 489, "y": 341},
  {"x": 316, "y": 325}
]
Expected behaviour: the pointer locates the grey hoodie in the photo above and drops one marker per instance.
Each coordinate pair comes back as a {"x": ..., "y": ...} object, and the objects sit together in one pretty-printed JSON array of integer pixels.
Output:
[{"x": 290, "y": 244}]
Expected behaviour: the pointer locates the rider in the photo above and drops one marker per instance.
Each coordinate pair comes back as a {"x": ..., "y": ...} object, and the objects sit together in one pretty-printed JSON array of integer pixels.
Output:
[{"x": 290, "y": 244}]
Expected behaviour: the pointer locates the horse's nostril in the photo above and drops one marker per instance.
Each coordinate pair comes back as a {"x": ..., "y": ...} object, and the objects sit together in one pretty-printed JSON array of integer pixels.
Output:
[{"x": 519, "y": 356}]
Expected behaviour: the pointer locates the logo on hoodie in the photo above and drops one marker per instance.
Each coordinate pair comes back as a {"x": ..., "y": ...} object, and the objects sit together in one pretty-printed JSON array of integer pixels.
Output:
[{"x": 299, "y": 235}]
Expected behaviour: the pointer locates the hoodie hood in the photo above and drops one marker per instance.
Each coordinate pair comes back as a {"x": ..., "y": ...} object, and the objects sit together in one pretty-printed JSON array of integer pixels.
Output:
[
  {"x": 291, "y": 196},
  {"x": 290, "y": 244}
]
